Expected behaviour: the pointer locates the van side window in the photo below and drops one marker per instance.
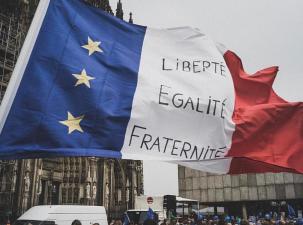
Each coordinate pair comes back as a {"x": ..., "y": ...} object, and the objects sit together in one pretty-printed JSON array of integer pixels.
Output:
[
  {"x": 48, "y": 223},
  {"x": 33, "y": 222}
]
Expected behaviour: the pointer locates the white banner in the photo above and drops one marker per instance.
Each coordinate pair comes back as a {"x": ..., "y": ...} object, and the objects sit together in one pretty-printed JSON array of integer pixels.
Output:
[{"x": 184, "y": 99}]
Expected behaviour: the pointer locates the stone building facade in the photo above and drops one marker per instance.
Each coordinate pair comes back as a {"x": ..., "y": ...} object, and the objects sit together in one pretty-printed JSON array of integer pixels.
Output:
[
  {"x": 244, "y": 194},
  {"x": 71, "y": 180}
]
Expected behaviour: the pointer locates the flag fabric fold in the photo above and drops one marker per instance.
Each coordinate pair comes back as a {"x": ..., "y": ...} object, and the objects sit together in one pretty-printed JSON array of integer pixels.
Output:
[
  {"x": 268, "y": 128},
  {"x": 150, "y": 215},
  {"x": 291, "y": 211},
  {"x": 90, "y": 84},
  {"x": 126, "y": 220}
]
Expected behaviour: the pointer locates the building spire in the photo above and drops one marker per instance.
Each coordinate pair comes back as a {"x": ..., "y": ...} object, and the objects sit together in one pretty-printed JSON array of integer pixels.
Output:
[
  {"x": 119, "y": 10},
  {"x": 131, "y": 18},
  {"x": 102, "y": 4},
  {"x": 106, "y": 6}
]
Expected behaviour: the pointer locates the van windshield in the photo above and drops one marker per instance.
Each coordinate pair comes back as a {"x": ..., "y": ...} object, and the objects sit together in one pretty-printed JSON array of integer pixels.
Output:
[
  {"x": 33, "y": 222},
  {"x": 138, "y": 217}
]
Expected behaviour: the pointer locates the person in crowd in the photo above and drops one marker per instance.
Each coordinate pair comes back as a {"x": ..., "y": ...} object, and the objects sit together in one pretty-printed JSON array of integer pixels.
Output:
[
  {"x": 118, "y": 222},
  {"x": 149, "y": 222},
  {"x": 164, "y": 222},
  {"x": 76, "y": 222},
  {"x": 243, "y": 222}
]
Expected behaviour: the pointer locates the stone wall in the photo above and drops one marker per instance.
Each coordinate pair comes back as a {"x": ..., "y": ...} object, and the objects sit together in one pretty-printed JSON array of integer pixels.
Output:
[{"x": 209, "y": 188}]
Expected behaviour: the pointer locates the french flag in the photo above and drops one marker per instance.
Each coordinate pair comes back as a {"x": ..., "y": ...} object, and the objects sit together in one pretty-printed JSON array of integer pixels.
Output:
[{"x": 89, "y": 84}]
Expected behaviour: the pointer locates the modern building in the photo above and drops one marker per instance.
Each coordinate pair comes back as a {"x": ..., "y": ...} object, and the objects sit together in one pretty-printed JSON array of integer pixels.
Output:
[
  {"x": 244, "y": 194},
  {"x": 73, "y": 180}
]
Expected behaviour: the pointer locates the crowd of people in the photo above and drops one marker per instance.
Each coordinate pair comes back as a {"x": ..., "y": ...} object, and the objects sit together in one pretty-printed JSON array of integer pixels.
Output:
[
  {"x": 231, "y": 220},
  {"x": 195, "y": 219},
  {"x": 227, "y": 221}
]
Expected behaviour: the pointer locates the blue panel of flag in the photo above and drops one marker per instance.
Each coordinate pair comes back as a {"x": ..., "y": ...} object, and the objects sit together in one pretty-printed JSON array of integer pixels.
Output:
[{"x": 76, "y": 93}]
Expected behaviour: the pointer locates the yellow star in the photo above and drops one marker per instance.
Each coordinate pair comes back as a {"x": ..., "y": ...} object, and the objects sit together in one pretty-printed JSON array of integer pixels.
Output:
[
  {"x": 73, "y": 123},
  {"x": 83, "y": 78},
  {"x": 92, "y": 46}
]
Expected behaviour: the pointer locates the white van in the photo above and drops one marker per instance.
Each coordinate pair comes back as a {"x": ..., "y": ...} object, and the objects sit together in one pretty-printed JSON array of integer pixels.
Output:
[{"x": 63, "y": 215}]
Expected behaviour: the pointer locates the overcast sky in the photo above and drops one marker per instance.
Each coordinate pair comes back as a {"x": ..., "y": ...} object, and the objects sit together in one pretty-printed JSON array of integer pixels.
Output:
[{"x": 262, "y": 32}]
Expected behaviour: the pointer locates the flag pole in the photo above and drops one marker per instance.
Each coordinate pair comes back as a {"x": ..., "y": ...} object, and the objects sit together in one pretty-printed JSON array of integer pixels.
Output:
[{"x": 22, "y": 61}]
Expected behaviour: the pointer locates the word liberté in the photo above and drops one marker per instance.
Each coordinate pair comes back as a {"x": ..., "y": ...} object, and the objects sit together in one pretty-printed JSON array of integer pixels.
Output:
[{"x": 212, "y": 106}]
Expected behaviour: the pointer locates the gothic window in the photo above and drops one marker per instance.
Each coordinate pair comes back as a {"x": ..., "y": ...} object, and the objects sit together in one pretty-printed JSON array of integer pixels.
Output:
[
  {"x": 76, "y": 195},
  {"x": 118, "y": 174},
  {"x": 83, "y": 173},
  {"x": 64, "y": 197},
  {"x": 70, "y": 195}
]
